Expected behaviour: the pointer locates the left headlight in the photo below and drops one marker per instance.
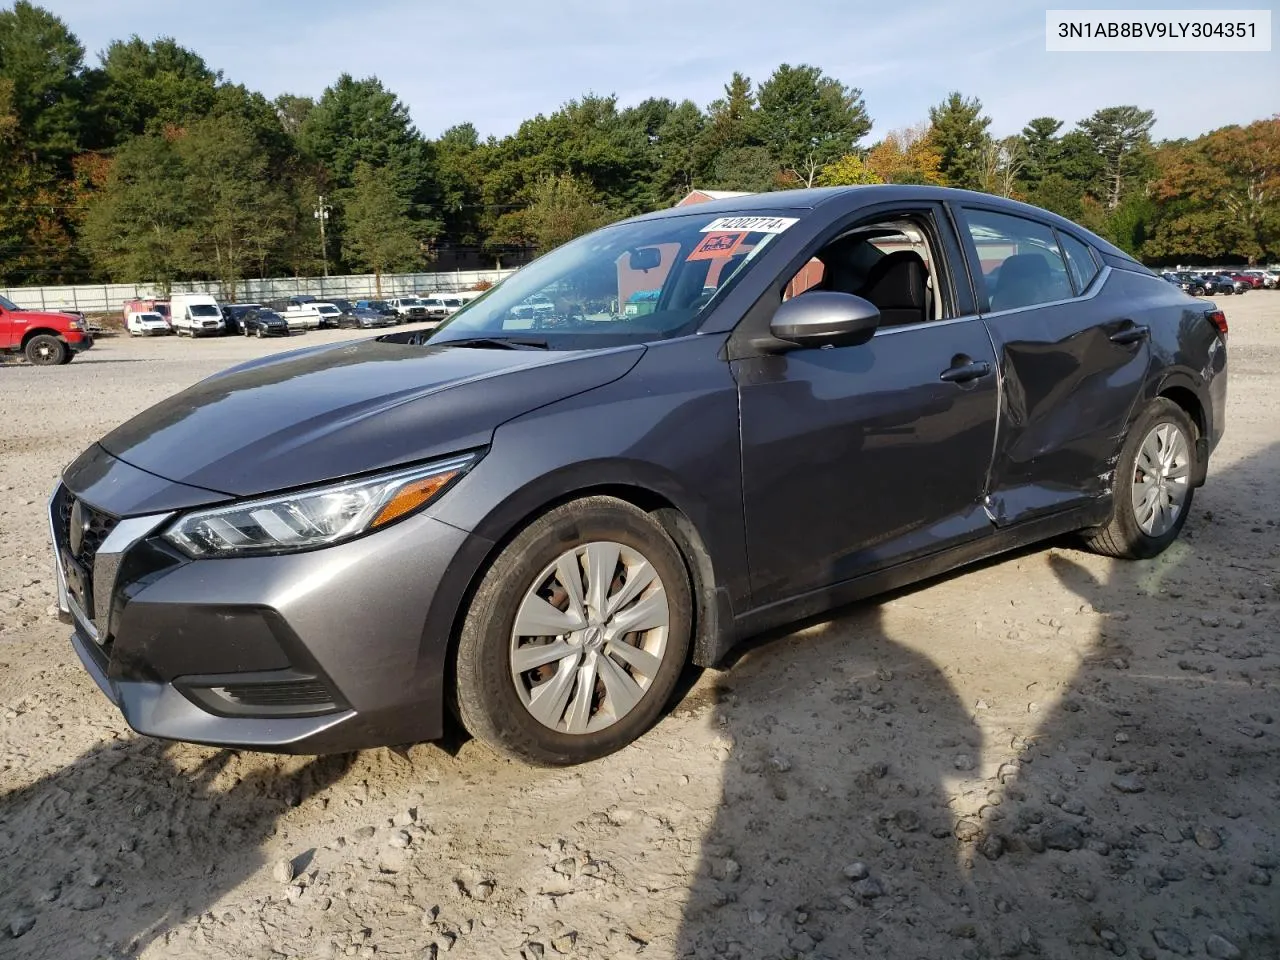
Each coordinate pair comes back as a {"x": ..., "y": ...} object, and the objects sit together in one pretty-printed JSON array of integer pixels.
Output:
[{"x": 318, "y": 517}]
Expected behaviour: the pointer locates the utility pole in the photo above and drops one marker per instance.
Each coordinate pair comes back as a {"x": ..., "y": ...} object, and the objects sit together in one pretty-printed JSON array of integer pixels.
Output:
[{"x": 321, "y": 213}]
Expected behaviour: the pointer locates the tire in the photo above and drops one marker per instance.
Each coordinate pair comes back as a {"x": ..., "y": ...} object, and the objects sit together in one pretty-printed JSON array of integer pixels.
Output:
[
  {"x": 260, "y": 333},
  {"x": 492, "y": 699},
  {"x": 71, "y": 355},
  {"x": 45, "y": 350},
  {"x": 1132, "y": 534}
]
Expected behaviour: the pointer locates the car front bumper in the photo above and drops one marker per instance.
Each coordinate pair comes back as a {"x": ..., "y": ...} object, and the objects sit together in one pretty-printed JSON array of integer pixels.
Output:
[{"x": 327, "y": 651}]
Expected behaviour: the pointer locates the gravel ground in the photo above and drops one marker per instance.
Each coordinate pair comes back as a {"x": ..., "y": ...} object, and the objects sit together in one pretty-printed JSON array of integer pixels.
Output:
[{"x": 1050, "y": 755}]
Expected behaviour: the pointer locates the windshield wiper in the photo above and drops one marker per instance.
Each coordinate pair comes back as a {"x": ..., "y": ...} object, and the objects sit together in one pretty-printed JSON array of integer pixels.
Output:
[{"x": 495, "y": 343}]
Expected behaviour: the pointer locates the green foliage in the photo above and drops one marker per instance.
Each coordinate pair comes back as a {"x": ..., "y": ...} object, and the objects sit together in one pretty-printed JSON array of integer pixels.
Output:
[
  {"x": 145, "y": 87},
  {"x": 808, "y": 119},
  {"x": 1121, "y": 137},
  {"x": 139, "y": 228},
  {"x": 959, "y": 133},
  {"x": 380, "y": 234},
  {"x": 563, "y": 207},
  {"x": 152, "y": 166},
  {"x": 43, "y": 61}
]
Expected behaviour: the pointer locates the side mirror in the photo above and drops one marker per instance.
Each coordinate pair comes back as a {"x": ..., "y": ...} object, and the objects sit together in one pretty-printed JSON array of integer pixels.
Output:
[
  {"x": 645, "y": 258},
  {"x": 822, "y": 318}
]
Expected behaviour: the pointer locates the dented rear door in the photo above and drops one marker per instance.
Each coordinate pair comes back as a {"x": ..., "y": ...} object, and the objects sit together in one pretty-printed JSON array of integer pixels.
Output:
[{"x": 1071, "y": 371}]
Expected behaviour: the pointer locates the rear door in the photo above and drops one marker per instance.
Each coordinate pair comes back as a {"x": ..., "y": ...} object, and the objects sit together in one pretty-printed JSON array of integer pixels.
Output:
[
  {"x": 1073, "y": 358},
  {"x": 859, "y": 457}
]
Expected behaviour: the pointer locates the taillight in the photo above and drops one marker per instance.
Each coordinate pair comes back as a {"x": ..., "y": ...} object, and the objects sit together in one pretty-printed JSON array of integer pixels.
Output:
[{"x": 1218, "y": 319}]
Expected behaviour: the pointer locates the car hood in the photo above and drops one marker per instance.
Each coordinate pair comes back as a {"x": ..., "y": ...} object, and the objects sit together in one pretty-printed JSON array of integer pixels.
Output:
[{"x": 322, "y": 413}]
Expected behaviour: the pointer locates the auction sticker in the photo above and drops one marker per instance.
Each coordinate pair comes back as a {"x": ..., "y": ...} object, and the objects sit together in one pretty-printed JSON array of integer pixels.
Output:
[
  {"x": 750, "y": 224},
  {"x": 717, "y": 245}
]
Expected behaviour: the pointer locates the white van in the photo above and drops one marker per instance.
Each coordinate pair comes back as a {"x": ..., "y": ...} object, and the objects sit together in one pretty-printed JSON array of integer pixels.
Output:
[{"x": 195, "y": 314}]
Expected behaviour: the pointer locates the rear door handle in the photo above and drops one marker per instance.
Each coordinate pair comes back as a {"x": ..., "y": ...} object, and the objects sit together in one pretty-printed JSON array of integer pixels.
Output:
[
  {"x": 963, "y": 372},
  {"x": 1131, "y": 335}
]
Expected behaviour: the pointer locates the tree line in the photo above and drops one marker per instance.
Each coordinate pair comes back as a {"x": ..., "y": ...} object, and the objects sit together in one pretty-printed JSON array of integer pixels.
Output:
[{"x": 152, "y": 167}]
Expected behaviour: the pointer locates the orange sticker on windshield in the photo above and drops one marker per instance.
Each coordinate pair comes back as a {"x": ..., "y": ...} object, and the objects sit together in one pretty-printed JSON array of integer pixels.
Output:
[{"x": 716, "y": 246}]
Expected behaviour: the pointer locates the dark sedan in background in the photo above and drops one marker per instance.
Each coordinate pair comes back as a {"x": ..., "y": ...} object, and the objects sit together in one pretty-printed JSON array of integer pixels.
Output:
[
  {"x": 263, "y": 323},
  {"x": 720, "y": 418}
]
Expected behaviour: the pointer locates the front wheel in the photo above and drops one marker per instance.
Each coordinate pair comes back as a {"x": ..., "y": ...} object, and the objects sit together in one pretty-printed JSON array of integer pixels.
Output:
[
  {"x": 260, "y": 333},
  {"x": 45, "y": 350},
  {"x": 1152, "y": 491},
  {"x": 574, "y": 641}
]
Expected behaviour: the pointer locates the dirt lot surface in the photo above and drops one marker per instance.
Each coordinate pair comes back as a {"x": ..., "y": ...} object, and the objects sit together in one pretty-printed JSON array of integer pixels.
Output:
[{"x": 1051, "y": 755}]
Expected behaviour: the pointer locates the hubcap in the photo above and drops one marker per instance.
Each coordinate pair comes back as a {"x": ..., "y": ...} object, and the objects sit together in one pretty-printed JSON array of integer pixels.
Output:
[
  {"x": 589, "y": 637},
  {"x": 1162, "y": 476}
]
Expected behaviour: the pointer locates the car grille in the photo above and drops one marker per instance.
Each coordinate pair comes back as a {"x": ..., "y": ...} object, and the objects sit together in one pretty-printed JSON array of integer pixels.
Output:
[{"x": 97, "y": 527}]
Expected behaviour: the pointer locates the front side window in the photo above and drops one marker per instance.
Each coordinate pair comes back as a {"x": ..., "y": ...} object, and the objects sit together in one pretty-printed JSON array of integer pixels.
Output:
[
  {"x": 889, "y": 262},
  {"x": 8, "y": 304},
  {"x": 1020, "y": 264},
  {"x": 629, "y": 283}
]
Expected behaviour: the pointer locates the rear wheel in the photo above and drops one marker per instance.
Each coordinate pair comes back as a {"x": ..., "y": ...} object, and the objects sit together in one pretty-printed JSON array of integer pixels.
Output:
[
  {"x": 577, "y": 635},
  {"x": 45, "y": 350},
  {"x": 1152, "y": 490}
]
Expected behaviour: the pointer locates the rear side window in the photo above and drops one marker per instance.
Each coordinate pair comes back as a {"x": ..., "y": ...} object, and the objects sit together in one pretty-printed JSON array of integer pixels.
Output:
[
  {"x": 1080, "y": 261},
  {"x": 1019, "y": 260}
]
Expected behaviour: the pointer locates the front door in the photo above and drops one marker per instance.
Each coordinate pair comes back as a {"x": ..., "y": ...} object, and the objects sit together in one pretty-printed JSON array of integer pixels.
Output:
[{"x": 856, "y": 458}]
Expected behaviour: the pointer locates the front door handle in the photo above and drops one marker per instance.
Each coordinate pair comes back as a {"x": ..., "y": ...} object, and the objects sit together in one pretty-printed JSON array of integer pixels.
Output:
[
  {"x": 1131, "y": 335},
  {"x": 965, "y": 370}
]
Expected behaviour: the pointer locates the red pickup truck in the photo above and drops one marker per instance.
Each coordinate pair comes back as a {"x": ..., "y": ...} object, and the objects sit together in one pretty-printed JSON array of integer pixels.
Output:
[{"x": 45, "y": 338}]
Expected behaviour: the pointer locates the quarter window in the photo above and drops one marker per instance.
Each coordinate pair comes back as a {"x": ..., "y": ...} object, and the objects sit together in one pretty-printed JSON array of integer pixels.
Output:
[
  {"x": 1019, "y": 260},
  {"x": 1080, "y": 261}
]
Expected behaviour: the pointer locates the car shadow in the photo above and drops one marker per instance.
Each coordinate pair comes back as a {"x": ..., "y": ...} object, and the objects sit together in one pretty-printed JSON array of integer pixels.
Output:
[
  {"x": 76, "y": 886},
  {"x": 861, "y": 816}
]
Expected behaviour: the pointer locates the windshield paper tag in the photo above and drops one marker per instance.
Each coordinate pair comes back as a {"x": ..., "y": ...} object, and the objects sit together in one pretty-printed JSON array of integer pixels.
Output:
[
  {"x": 717, "y": 245},
  {"x": 750, "y": 224}
]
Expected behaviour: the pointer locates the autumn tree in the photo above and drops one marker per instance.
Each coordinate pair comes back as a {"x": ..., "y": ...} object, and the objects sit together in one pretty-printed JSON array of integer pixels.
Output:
[
  {"x": 907, "y": 155},
  {"x": 847, "y": 171},
  {"x": 1220, "y": 196}
]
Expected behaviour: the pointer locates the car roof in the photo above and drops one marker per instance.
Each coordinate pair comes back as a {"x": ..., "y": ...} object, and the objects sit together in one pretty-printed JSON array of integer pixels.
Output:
[{"x": 848, "y": 199}]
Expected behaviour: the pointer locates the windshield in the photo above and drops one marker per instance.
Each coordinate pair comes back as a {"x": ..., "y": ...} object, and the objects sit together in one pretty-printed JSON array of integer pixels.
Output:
[
  {"x": 630, "y": 283},
  {"x": 202, "y": 310},
  {"x": 326, "y": 309},
  {"x": 8, "y": 304}
]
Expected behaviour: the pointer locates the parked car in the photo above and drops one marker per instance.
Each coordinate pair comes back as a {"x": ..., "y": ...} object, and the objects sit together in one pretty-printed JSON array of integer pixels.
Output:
[
  {"x": 1225, "y": 283},
  {"x": 233, "y": 312},
  {"x": 195, "y": 314},
  {"x": 1271, "y": 279},
  {"x": 362, "y": 318},
  {"x": 300, "y": 313},
  {"x": 262, "y": 322},
  {"x": 1186, "y": 282},
  {"x": 148, "y": 324},
  {"x": 381, "y": 306},
  {"x": 409, "y": 309},
  {"x": 45, "y": 338},
  {"x": 1253, "y": 280},
  {"x": 1215, "y": 285},
  {"x": 543, "y": 528},
  {"x": 441, "y": 307},
  {"x": 147, "y": 305}
]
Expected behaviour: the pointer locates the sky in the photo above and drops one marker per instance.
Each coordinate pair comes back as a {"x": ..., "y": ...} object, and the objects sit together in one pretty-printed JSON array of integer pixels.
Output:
[{"x": 497, "y": 62}]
